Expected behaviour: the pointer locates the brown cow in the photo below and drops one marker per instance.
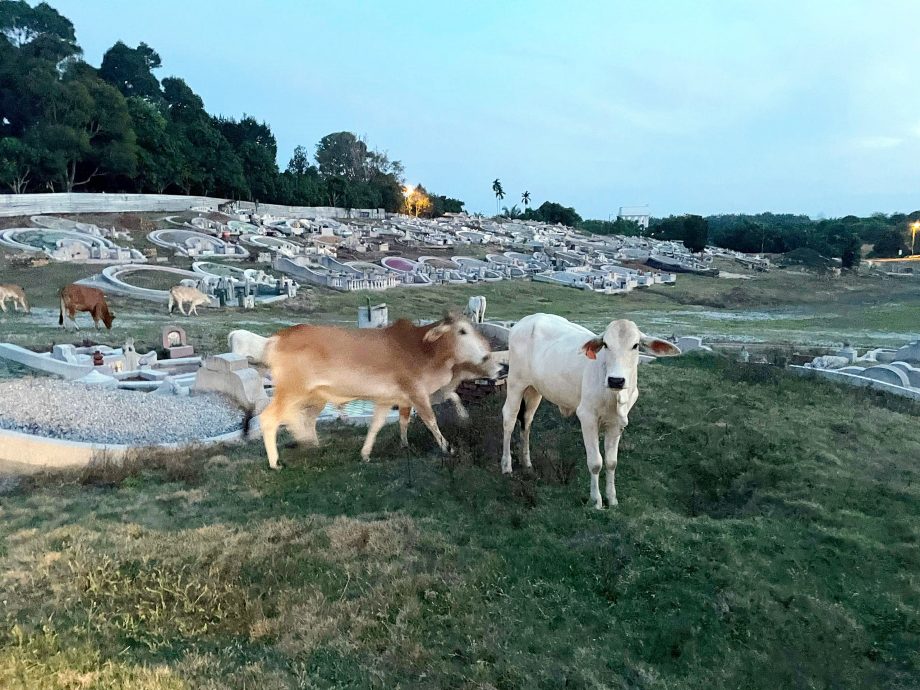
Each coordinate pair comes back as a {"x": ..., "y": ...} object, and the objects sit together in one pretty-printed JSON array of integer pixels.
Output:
[
  {"x": 401, "y": 365},
  {"x": 76, "y": 298}
]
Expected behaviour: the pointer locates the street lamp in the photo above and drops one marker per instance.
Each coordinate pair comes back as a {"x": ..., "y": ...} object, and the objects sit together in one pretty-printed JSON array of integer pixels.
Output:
[{"x": 914, "y": 228}]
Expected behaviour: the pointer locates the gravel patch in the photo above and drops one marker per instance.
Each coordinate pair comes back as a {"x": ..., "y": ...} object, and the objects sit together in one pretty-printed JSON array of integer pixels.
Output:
[{"x": 76, "y": 412}]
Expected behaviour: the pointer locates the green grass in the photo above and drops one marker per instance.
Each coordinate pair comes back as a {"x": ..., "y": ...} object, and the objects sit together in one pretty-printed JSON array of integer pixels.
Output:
[{"x": 767, "y": 536}]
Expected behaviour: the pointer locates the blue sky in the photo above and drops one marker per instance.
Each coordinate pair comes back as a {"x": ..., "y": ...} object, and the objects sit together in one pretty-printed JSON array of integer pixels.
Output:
[{"x": 697, "y": 107}]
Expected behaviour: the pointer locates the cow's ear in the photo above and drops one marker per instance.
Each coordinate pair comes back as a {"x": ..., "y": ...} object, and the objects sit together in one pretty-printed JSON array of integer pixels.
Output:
[
  {"x": 436, "y": 332},
  {"x": 658, "y": 347},
  {"x": 592, "y": 347}
]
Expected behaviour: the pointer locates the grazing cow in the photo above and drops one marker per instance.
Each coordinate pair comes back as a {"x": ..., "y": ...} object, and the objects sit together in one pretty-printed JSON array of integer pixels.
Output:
[
  {"x": 401, "y": 365},
  {"x": 76, "y": 298},
  {"x": 476, "y": 309},
  {"x": 181, "y": 294},
  {"x": 594, "y": 377},
  {"x": 15, "y": 293}
]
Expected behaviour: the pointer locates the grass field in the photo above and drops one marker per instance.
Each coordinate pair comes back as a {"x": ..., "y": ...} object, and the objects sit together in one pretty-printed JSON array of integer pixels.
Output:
[{"x": 767, "y": 536}]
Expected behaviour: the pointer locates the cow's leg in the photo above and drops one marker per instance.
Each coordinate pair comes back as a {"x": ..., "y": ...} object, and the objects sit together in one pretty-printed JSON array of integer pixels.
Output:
[
  {"x": 3, "y": 305},
  {"x": 269, "y": 421},
  {"x": 422, "y": 404},
  {"x": 589, "y": 432},
  {"x": 404, "y": 413},
  {"x": 302, "y": 424},
  {"x": 194, "y": 309},
  {"x": 531, "y": 402},
  {"x": 379, "y": 419},
  {"x": 611, "y": 446},
  {"x": 458, "y": 406},
  {"x": 509, "y": 418},
  {"x": 181, "y": 309}
]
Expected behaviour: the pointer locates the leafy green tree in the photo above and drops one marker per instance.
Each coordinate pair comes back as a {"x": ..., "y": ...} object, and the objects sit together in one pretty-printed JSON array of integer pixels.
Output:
[
  {"x": 130, "y": 70},
  {"x": 525, "y": 199},
  {"x": 891, "y": 244},
  {"x": 620, "y": 226},
  {"x": 852, "y": 252},
  {"x": 512, "y": 213},
  {"x": 342, "y": 154},
  {"x": 18, "y": 160},
  {"x": 553, "y": 213},
  {"x": 158, "y": 159},
  {"x": 39, "y": 31}
]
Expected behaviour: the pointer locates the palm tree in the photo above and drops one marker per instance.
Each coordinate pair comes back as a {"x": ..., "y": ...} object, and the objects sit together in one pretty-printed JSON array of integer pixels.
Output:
[
  {"x": 499, "y": 192},
  {"x": 525, "y": 199}
]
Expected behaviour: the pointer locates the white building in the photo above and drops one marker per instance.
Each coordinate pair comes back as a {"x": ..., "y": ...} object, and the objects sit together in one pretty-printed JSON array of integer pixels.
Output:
[{"x": 637, "y": 214}]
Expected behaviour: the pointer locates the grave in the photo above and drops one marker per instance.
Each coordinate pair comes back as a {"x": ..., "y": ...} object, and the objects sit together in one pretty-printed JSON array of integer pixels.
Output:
[
  {"x": 176, "y": 342},
  {"x": 887, "y": 373},
  {"x": 231, "y": 375}
]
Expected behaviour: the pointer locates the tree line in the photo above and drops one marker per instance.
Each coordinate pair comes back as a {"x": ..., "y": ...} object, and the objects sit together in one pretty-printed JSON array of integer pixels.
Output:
[{"x": 68, "y": 126}]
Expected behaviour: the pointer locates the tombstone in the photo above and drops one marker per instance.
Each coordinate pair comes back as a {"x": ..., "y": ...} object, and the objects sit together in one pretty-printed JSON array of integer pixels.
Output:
[
  {"x": 848, "y": 351},
  {"x": 912, "y": 373},
  {"x": 887, "y": 374},
  {"x": 231, "y": 375},
  {"x": 744, "y": 355},
  {"x": 909, "y": 353},
  {"x": 64, "y": 353},
  {"x": 176, "y": 343},
  {"x": 689, "y": 343}
]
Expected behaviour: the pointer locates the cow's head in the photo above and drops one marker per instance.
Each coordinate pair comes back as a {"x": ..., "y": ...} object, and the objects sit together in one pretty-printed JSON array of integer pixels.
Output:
[
  {"x": 107, "y": 316},
  {"x": 618, "y": 350},
  {"x": 470, "y": 348}
]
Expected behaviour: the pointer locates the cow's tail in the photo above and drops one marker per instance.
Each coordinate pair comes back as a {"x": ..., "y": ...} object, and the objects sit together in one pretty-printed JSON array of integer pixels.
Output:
[
  {"x": 248, "y": 414},
  {"x": 61, "y": 315}
]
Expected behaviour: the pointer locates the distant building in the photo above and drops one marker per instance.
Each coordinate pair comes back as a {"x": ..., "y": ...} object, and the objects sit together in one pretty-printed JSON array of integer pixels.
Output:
[{"x": 637, "y": 214}]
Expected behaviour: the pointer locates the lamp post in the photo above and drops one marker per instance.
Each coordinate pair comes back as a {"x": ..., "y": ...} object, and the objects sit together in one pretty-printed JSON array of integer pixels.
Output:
[{"x": 914, "y": 228}]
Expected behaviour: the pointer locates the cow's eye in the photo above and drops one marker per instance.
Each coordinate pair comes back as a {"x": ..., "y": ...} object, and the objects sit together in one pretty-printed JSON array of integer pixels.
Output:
[
  {"x": 462, "y": 331},
  {"x": 636, "y": 346}
]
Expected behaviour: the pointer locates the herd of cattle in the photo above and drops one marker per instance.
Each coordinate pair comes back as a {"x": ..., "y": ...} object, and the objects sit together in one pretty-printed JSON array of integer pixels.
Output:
[{"x": 403, "y": 365}]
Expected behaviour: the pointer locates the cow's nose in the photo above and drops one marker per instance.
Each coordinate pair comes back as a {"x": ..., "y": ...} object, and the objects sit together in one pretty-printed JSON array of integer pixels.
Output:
[{"x": 615, "y": 383}]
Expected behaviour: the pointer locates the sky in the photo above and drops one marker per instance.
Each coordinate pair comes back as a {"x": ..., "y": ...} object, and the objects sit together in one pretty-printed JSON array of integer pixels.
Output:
[{"x": 702, "y": 107}]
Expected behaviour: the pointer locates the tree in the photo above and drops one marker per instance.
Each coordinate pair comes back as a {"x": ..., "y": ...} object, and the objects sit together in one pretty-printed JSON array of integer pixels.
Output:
[
  {"x": 696, "y": 233},
  {"x": 852, "y": 253},
  {"x": 17, "y": 162},
  {"x": 130, "y": 70},
  {"x": 525, "y": 199},
  {"x": 39, "y": 31},
  {"x": 417, "y": 202},
  {"x": 513, "y": 212},
  {"x": 891, "y": 244},
  {"x": 498, "y": 191},
  {"x": 553, "y": 213},
  {"x": 342, "y": 154}
]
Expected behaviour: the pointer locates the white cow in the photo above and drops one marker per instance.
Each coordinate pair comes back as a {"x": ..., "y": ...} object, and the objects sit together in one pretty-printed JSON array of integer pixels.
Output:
[
  {"x": 182, "y": 293},
  {"x": 476, "y": 309},
  {"x": 594, "y": 377},
  {"x": 249, "y": 344}
]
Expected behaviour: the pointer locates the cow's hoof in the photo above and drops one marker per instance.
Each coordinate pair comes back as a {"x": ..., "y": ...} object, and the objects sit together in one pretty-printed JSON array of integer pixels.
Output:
[
  {"x": 275, "y": 467},
  {"x": 365, "y": 458}
]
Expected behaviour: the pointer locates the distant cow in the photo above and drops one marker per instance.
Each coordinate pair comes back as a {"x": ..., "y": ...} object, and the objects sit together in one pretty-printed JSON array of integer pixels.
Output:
[
  {"x": 400, "y": 365},
  {"x": 76, "y": 298},
  {"x": 476, "y": 309},
  {"x": 250, "y": 345},
  {"x": 594, "y": 377},
  {"x": 181, "y": 294},
  {"x": 15, "y": 293}
]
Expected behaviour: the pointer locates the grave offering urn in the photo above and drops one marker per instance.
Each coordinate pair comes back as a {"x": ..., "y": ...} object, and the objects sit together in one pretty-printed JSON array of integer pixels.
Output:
[{"x": 98, "y": 360}]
